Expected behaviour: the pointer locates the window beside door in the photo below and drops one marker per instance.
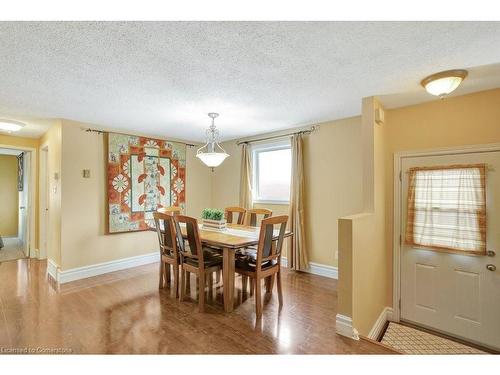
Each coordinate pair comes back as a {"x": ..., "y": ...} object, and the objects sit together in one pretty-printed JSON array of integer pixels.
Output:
[
  {"x": 272, "y": 166},
  {"x": 446, "y": 208}
]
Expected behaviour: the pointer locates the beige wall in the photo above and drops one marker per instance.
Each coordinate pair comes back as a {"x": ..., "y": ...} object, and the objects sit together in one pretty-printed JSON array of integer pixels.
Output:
[
  {"x": 23, "y": 142},
  {"x": 9, "y": 196},
  {"x": 53, "y": 140},
  {"x": 332, "y": 165},
  {"x": 370, "y": 278},
  {"x": 84, "y": 241},
  {"x": 363, "y": 275},
  {"x": 463, "y": 120}
]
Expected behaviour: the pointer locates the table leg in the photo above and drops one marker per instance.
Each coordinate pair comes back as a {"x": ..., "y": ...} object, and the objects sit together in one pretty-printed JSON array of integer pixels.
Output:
[{"x": 228, "y": 271}]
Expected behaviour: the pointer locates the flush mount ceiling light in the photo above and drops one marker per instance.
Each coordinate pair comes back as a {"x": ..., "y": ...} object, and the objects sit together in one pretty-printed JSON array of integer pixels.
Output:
[
  {"x": 443, "y": 83},
  {"x": 10, "y": 126},
  {"x": 212, "y": 154}
]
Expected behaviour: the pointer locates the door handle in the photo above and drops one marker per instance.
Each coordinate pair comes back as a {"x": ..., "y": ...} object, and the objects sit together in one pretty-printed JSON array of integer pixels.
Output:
[
  {"x": 21, "y": 208},
  {"x": 491, "y": 253},
  {"x": 491, "y": 267}
]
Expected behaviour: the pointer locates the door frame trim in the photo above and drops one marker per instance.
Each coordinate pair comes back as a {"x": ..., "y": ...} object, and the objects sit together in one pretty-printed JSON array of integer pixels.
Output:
[
  {"x": 32, "y": 202},
  {"x": 396, "y": 245}
]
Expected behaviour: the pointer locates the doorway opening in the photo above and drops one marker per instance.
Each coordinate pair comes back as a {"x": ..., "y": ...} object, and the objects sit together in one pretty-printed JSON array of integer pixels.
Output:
[{"x": 17, "y": 193}]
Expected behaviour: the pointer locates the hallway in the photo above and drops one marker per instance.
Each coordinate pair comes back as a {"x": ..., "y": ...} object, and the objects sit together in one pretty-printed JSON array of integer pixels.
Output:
[{"x": 12, "y": 250}]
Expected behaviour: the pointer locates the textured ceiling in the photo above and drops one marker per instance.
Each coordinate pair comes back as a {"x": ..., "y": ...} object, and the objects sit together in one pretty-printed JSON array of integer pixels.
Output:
[{"x": 164, "y": 77}]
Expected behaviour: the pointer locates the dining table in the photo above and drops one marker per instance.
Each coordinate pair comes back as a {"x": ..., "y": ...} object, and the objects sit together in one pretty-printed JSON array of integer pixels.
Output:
[{"x": 229, "y": 240}]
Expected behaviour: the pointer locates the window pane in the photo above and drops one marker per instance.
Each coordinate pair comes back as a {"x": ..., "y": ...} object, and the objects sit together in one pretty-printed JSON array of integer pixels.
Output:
[{"x": 274, "y": 175}]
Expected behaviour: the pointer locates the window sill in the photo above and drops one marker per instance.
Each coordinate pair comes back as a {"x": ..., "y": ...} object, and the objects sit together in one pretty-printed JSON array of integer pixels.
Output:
[{"x": 277, "y": 203}]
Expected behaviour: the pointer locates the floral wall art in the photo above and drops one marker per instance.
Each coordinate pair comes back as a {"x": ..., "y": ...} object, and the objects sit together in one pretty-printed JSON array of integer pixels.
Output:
[{"x": 144, "y": 174}]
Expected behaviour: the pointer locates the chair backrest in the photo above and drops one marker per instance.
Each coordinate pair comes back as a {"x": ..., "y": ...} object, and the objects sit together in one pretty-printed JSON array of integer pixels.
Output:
[
  {"x": 252, "y": 215},
  {"x": 165, "y": 228},
  {"x": 172, "y": 210},
  {"x": 229, "y": 211},
  {"x": 192, "y": 238},
  {"x": 266, "y": 251}
]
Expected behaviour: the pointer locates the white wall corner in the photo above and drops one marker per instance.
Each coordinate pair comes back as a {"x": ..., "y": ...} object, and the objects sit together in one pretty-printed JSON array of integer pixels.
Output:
[
  {"x": 106, "y": 267},
  {"x": 384, "y": 317},
  {"x": 317, "y": 269},
  {"x": 343, "y": 326},
  {"x": 53, "y": 269}
]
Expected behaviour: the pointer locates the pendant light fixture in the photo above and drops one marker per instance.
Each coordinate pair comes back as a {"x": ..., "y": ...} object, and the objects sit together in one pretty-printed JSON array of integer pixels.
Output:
[
  {"x": 443, "y": 83},
  {"x": 212, "y": 154}
]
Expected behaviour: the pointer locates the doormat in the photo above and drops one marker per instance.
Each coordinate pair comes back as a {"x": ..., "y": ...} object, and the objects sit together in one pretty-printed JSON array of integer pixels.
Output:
[{"x": 412, "y": 341}]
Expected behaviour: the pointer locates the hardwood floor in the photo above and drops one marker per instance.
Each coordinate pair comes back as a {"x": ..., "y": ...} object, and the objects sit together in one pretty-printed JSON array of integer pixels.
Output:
[{"x": 124, "y": 312}]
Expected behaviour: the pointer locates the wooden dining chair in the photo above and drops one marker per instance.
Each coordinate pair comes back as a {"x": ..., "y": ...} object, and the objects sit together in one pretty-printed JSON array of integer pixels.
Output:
[
  {"x": 198, "y": 260},
  {"x": 169, "y": 252},
  {"x": 253, "y": 215},
  {"x": 170, "y": 210},
  {"x": 230, "y": 211},
  {"x": 266, "y": 263}
]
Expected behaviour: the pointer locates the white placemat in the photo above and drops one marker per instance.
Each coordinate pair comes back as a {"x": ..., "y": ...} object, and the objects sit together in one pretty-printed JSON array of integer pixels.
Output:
[{"x": 231, "y": 231}]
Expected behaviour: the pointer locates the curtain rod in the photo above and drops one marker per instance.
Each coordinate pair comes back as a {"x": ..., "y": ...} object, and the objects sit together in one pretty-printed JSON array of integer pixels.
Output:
[
  {"x": 89, "y": 130},
  {"x": 307, "y": 131}
]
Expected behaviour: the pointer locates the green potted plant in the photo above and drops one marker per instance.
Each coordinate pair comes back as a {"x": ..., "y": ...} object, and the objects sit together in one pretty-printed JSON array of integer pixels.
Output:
[{"x": 213, "y": 218}]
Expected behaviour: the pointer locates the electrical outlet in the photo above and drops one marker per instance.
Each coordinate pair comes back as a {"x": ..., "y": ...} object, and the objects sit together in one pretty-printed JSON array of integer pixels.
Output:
[{"x": 86, "y": 173}]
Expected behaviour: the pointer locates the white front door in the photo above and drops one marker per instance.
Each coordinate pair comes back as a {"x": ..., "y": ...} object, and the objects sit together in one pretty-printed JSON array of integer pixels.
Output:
[{"x": 454, "y": 293}]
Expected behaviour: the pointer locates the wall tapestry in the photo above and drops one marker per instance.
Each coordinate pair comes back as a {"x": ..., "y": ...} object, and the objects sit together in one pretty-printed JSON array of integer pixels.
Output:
[{"x": 144, "y": 174}]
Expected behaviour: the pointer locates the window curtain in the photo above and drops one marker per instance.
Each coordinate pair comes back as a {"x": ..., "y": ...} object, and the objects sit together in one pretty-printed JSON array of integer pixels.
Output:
[
  {"x": 297, "y": 251},
  {"x": 446, "y": 208},
  {"x": 246, "y": 199}
]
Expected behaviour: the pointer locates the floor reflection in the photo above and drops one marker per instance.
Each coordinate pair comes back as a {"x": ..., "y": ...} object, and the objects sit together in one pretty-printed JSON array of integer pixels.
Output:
[{"x": 124, "y": 312}]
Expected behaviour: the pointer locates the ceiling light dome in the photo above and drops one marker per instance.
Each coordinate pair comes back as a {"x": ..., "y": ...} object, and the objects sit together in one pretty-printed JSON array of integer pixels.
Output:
[
  {"x": 443, "y": 83},
  {"x": 212, "y": 154},
  {"x": 10, "y": 126}
]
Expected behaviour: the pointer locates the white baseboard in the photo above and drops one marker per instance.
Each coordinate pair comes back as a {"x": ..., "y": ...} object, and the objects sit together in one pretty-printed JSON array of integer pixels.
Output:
[
  {"x": 53, "y": 269},
  {"x": 384, "y": 317},
  {"x": 343, "y": 326},
  {"x": 106, "y": 267},
  {"x": 317, "y": 269}
]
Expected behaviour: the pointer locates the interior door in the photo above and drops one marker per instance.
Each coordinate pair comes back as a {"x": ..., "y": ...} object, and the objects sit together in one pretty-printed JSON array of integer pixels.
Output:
[
  {"x": 24, "y": 206},
  {"x": 454, "y": 293}
]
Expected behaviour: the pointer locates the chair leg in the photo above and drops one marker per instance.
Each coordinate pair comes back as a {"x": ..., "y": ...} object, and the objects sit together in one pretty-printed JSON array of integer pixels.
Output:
[
  {"x": 258, "y": 298},
  {"x": 244, "y": 283},
  {"x": 176, "y": 279},
  {"x": 188, "y": 282},
  {"x": 211, "y": 284},
  {"x": 183, "y": 283},
  {"x": 201, "y": 292},
  {"x": 252, "y": 286},
  {"x": 280, "y": 292},
  {"x": 160, "y": 284},
  {"x": 167, "y": 274},
  {"x": 270, "y": 284}
]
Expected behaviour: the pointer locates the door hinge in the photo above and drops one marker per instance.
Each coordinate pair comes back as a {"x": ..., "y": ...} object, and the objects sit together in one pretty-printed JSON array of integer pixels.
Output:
[
  {"x": 400, "y": 240},
  {"x": 400, "y": 176},
  {"x": 399, "y": 304}
]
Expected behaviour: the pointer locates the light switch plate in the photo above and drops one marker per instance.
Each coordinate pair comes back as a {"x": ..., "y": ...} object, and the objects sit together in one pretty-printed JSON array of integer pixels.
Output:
[{"x": 86, "y": 173}]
